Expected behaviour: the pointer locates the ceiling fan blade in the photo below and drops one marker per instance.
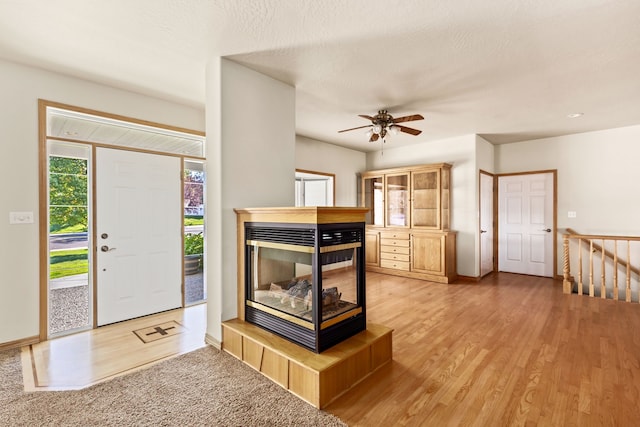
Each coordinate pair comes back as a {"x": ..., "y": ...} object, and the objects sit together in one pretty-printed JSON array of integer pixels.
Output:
[
  {"x": 364, "y": 116},
  {"x": 374, "y": 137},
  {"x": 359, "y": 127},
  {"x": 408, "y": 130},
  {"x": 408, "y": 118}
]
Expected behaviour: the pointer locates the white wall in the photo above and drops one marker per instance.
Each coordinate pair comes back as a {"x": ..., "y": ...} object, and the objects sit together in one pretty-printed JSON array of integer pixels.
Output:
[
  {"x": 319, "y": 156},
  {"x": 485, "y": 155},
  {"x": 251, "y": 155},
  {"x": 598, "y": 177},
  {"x": 21, "y": 87},
  {"x": 461, "y": 153}
]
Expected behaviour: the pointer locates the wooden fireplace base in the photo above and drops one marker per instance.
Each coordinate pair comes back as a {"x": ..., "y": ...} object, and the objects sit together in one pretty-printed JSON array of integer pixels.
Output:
[{"x": 315, "y": 378}]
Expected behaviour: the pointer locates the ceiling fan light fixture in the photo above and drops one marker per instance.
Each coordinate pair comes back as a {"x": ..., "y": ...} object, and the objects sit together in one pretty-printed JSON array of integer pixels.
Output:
[{"x": 383, "y": 124}]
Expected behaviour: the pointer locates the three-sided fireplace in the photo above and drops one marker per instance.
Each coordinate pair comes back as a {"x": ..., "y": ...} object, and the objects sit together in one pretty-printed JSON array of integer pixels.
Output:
[{"x": 305, "y": 281}]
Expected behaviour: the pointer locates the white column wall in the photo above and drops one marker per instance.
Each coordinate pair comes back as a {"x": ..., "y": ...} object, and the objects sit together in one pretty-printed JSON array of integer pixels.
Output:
[
  {"x": 21, "y": 87},
  {"x": 460, "y": 152},
  {"x": 485, "y": 155},
  {"x": 319, "y": 156},
  {"x": 251, "y": 155}
]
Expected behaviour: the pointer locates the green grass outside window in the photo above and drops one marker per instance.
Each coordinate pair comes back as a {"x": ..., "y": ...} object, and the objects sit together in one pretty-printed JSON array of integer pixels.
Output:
[{"x": 68, "y": 263}]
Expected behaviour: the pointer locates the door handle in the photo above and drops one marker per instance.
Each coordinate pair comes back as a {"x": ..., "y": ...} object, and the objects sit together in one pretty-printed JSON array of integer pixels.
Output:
[
  {"x": 106, "y": 248},
  {"x": 548, "y": 230},
  {"x": 483, "y": 231}
]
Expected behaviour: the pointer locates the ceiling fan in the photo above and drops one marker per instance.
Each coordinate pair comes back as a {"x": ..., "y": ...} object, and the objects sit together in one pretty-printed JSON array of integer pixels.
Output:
[{"x": 383, "y": 123}]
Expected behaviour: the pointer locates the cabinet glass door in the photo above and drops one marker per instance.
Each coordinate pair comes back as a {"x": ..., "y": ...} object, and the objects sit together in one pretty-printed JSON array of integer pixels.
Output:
[
  {"x": 397, "y": 199},
  {"x": 373, "y": 199},
  {"x": 426, "y": 199},
  {"x": 445, "y": 179}
]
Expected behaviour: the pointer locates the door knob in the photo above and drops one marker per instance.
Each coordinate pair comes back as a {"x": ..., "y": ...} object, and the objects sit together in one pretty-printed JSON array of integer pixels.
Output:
[
  {"x": 548, "y": 230},
  {"x": 106, "y": 248},
  {"x": 483, "y": 231}
]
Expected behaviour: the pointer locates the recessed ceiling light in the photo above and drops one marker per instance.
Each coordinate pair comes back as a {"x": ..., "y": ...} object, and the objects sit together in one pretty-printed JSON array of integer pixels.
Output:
[{"x": 574, "y": 115}]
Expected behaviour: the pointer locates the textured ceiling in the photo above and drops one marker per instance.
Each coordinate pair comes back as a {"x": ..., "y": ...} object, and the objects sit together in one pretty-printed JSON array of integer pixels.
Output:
[{"x": 508, "y": 70}]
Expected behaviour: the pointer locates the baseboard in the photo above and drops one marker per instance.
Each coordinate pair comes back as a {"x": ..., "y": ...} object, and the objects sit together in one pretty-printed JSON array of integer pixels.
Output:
[
  {"x": 413, "y": 275},
  {"x": 475, "y": 279},
  {"x": 19, "y": 343},
  {"x": 212, "y": 341},
  {"x": 467, "y": 279}
]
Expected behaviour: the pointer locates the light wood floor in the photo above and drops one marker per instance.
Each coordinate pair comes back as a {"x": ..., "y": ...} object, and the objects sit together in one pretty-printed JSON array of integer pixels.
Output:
[
  {"x": 79, "y": 360},
  {"x": 510, "y": 350}
]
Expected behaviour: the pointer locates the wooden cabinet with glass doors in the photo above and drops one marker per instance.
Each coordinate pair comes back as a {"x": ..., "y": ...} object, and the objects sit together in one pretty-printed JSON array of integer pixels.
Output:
[
  {"x": 408, "y": 222},
  {"x": 396, "y": 190}
]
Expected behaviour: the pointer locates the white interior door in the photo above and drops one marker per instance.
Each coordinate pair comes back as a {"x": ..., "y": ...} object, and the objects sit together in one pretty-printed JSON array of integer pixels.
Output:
[
  {"x": 138, "y": 225},
  {"x": 526, "y": 223},
  {"x": 486, "y": 224}
]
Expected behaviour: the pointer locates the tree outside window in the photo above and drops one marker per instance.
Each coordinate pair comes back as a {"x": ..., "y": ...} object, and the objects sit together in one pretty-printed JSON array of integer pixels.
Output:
[{"x": 67, "y": 194}]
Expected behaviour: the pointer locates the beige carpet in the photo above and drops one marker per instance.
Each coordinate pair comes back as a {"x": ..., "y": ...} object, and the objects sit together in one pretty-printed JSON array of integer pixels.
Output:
[{"x": 203, "y": 388}]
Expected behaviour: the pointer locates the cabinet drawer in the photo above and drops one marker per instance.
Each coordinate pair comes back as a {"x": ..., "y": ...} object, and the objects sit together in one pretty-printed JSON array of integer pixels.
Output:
[
  {"x": 398, "y": 265},
  {"x": 400, "y": 235},
  {"x": 394, "y": 257},
  {"x": 394, "y": 242},
  {"x": 395, "y": 249}
]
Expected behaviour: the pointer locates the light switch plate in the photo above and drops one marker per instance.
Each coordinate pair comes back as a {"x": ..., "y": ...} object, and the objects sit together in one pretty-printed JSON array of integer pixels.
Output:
[{"x": 20, "y": 217}]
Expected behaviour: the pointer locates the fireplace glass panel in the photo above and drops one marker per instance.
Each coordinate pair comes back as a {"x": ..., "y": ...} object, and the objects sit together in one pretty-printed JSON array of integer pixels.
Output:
[
  {"x": 281, "y": 279},
  {"x": 339, "y": 282}
]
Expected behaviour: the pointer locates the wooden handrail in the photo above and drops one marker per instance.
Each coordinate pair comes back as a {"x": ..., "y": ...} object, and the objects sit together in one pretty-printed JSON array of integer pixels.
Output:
[
  {"x": 588, "y": 238},
  {"x": 592, "y": 247},
  {"x": 575, "y": 235}
]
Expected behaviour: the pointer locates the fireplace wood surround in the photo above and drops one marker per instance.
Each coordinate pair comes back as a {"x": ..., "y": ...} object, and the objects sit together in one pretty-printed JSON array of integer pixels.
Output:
[{"x": 301, "y": 300}]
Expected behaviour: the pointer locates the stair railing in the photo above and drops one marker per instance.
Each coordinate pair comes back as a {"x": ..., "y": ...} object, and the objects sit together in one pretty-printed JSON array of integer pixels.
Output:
[{"x": 603, "y": 255}]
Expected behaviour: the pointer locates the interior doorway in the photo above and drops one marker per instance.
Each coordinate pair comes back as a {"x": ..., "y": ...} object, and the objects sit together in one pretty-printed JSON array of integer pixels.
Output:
[
  {"x": 527, "y": 223},
  {"x": 487, "y": 235},
  {"x": 314, "y": 188}
]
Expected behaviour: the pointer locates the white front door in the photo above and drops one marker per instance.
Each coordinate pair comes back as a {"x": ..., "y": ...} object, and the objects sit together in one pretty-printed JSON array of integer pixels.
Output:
[
  {"x": 138, "y": 227},
  {"x": 486, "y": 224},
  {"x": 526, "y": 224}
]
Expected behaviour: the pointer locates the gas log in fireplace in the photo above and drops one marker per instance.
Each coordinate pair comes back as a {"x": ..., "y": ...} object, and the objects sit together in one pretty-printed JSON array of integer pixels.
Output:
[{"x": 303, "y": 273}]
